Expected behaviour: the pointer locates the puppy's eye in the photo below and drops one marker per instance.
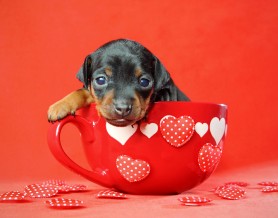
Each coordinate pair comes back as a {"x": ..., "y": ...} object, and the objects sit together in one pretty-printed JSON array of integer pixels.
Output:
[
  {"x": 101, "y": 81},
  {"x": 144, "y": 82}
]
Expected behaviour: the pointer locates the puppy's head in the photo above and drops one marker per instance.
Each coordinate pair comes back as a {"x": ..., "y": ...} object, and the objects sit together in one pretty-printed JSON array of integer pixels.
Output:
[{"x": 123, "y": 77}]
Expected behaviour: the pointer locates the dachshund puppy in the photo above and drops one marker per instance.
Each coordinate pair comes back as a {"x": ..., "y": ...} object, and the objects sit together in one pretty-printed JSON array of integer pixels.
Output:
[{"x": 123, "y": 79}]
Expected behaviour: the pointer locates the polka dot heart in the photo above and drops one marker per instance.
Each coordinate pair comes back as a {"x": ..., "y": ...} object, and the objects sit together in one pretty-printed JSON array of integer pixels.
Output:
[
  {"x": 194, "y": 200},
  {"x": 111, "y": 194},
  {"x": 208, "y": 157},
  {"x": 132, "y": 170},
  {"x": 12, "y": 196},
  {"x": 232, "y": 192},
  {"x": 39, "y": 191},
  {"x": 177, "y": 131},
  {"x": 64, "y": 203}
]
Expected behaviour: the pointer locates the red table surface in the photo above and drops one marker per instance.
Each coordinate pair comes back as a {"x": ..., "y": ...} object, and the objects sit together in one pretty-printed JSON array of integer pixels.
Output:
[{"x": 254, "y": 204}]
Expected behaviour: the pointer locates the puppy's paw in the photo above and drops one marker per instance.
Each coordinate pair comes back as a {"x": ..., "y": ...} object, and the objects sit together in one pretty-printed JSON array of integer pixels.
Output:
[{"x": 60, "y": 110}]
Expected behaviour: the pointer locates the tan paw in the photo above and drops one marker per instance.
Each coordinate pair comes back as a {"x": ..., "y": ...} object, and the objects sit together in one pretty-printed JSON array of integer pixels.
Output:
[{"x": 60, "y": 110}]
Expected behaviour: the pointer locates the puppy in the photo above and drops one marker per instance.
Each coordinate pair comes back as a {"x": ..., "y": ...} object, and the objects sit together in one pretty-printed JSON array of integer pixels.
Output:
[{"x": 123, "y": 79}]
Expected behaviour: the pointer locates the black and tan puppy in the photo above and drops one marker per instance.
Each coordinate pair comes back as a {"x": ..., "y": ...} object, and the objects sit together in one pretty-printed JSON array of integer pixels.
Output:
[{"x": 123, "y": 79}]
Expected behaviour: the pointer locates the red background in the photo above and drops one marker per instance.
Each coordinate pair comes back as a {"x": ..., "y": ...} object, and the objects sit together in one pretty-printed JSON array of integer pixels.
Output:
[{"x": 217, "y": 51}]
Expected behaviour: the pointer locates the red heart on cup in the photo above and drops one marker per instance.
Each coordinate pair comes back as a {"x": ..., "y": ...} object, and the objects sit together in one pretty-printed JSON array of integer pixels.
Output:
[
  {"x": 209, "y": 156},
  {"x": 133, "y": 170},
  {"x": 177, "y": 131}
]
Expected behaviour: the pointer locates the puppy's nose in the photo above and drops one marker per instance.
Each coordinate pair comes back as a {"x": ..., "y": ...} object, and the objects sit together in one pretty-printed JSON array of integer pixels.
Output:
[{"x": 123, "y": 109}]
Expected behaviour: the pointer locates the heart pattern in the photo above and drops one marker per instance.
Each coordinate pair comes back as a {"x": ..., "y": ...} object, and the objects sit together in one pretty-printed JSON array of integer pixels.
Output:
[
  {"x": 208, "y": 157},
  {"x": 111, "y": 194},
  {"x": 12, "y": 196},
  {"x": 40, "y": 191},
  {"x": 230, "y": 192},
  {"x": 64, "y": 203},
  {"x": 148, "y": 129},
  {"x": 121, "y": 134},
  {"x": 217, "y": 128},
  {"x": 177, "y": 131},
  {"x": 133, "y": 170},
  {"x": 201, "y": 128}
]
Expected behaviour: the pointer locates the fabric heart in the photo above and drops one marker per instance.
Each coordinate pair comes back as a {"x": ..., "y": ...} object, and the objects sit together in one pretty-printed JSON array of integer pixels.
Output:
[
  {"x": 269, "y": 183},
  {"x": 217, "y": 128},
  {"x": 201, "y": 128},
  {"x": 121, "y": 134},
  {"x": 56, "y": 182},
  {"x": 242, "y": 184},
  {"x": 111, "y": 194},
  {"x": 148, "y": 129},
  {"x": 132, "y": 170},
  {"x": 177, "y": 131},
  {"x": 39, "y": 191},
  {"x": 12, "y": 196},
  {"x": 208, "y": 157},
  {"x": 270, "y": 189},
  {"x": 231, "y": 192},
  {"x": 194, "y": 200},
  {"x": 64, "y": 203}
]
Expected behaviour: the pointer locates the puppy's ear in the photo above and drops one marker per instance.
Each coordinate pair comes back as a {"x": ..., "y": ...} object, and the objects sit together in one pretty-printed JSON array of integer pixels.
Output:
[
  {"x": 85, "y": 72},
  {"x": 161, "y": 76}
]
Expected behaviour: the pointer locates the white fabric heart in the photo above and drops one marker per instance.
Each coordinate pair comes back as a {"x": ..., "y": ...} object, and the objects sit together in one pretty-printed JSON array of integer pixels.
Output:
[
  {"x": 201, "y": 128},
  {"x": 121, "y": 134},
  {"x": 148, "y": 129},
  {"x": 217, "y": 128}
]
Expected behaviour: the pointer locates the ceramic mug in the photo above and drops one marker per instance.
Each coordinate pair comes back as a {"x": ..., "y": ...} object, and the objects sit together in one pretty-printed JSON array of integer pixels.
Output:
[{"x": 176, "y": 148}]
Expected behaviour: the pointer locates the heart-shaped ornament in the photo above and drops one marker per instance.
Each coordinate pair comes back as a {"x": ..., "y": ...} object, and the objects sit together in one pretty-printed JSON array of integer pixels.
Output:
[
  {"x": 270, "y": 189},
  {"x": 12, "y": 196},
  {"x": 121, "y": 134},
  {"x": 133, "y": 170},
  {"x": 230, "y": 192},
  {"x": 40, "y": 191},
  {"x": 208, "y": 157},
  {"x": 148, "y": 129},
  {"x": 194, "y": 199},
  {"x": 201, "y": 128},
  {"x": 111, "y": 194},
  {"x": 64, "y": 203},
  {"x": 217, "y": 128},
  {"x": 177, "y": 131}
]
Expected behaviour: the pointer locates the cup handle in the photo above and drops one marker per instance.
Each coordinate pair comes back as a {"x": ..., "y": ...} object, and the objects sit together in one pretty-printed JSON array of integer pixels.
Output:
[{"x": 87, "y": 134}]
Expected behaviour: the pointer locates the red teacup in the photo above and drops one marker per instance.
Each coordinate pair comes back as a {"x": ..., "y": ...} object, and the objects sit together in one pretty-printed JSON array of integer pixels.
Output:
[{"x": 176, "y": 148}]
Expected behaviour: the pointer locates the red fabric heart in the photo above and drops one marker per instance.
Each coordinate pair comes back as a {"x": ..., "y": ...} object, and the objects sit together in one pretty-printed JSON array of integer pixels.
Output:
[
  {"x": 111, "y": 194},
  {"x": 231, "y": 192},
  {"x": 208, "y": 157},
  {"x": 268, "y": 183},
  {"x": 194, "y": 199},
  {"x": 39, "y": 191},
  {"x": 56, "y": 182},
  {"x": 64, "y": 203},
  {"x": 132, "y": 170},
  {"x": 270, "y": 189},
  {"x": 177, "y": 131},
  {"x": 12, "y": 196},
  {"x": 242, "y": 184}
]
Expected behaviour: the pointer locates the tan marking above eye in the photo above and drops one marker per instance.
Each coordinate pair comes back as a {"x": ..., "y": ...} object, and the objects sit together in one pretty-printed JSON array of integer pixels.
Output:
[
  {"x": 138, "y": 72},
  {"x": 108, "y": 71}
]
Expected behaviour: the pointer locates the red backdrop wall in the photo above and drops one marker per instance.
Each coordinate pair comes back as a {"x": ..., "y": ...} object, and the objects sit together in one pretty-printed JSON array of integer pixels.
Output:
[{"x": 217, "y": 51}]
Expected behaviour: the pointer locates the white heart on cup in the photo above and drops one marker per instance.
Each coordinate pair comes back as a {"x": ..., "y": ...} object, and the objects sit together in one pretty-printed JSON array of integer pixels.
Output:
[
  {"x": 121, "y": 134},
  {"x": 148, "y": 129},
  {"x": 201, "y": 128},
  {"x": 217, "y": 128}
]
